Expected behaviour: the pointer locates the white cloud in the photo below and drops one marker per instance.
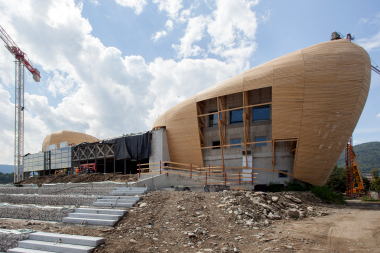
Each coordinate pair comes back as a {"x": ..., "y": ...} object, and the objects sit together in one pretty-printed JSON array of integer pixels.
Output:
[
  {"x": 378, "y": 115},
  {"x": 194, "y": 32},
  {"x": 104, "y": 93},
  {"x": 372, "y": 43},
  {"x": 137, "y": 5},
  {"x": 169, "y": 25},
  {"x": 94, "y": 2},
  {"x": 159, "y": 35},
  {"x": 172, "y": 7}
]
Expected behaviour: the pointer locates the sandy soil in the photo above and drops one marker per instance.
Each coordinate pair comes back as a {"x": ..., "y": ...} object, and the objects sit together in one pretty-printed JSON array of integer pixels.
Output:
[{"x": 161, "y": 226}]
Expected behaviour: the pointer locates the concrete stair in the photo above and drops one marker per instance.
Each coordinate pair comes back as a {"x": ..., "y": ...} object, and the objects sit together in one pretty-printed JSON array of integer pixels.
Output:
[
  {"x": 41, "y": 242},
  {"x": 90, "y": 216},
  {"x": 121, "y": 197}
]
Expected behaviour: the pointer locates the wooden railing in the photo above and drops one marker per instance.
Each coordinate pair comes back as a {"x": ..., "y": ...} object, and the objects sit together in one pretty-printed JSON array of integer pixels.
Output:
[{"x": 210, "y": 174}]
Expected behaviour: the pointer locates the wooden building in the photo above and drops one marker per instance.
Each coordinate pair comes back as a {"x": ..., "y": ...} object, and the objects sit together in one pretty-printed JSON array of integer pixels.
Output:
[{"x": 291, "y": 116}]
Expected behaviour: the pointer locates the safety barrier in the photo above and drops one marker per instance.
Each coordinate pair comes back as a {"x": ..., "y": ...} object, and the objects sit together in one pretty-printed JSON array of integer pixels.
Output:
[{"x": 210, "y": 174}]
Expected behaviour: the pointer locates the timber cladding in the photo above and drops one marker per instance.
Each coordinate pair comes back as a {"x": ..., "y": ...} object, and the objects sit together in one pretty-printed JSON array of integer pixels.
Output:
[
  {"x": 318, "y": 95},
  {"x": 72, "y": 138}
]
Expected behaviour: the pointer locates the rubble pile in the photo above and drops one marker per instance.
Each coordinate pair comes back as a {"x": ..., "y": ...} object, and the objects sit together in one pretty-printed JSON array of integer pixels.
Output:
[
  {"x": 44, "y": 213},
  {"x": 249, "y": 208},
  {"x": 55, "y": 200},
  {"x": 9, "y": 238}
]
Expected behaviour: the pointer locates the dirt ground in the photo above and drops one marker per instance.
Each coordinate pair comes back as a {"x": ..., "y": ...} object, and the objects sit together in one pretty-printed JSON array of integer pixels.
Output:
[
  {"x": 197, "y": 222},
  {"x": 79, "y": 178}
]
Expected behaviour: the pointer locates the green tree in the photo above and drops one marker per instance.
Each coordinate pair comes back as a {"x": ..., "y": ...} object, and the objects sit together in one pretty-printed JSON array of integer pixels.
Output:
[
  {"x": 375, "y": 185},
  {"x": 337, "y": 179},
  {"x": 375, "y": 174},
  {"x": 6, "y": 178},
  {"x": 366, "y": 183}
]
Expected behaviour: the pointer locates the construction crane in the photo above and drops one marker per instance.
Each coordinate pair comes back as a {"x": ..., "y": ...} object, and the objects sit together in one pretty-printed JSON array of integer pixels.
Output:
[
  {"x": 21, "y": 61},
  {"x": 352, "y": 169}
]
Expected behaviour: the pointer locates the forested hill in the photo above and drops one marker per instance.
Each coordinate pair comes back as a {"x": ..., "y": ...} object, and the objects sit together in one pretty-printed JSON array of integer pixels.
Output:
[{"x": 367, "y": 155}]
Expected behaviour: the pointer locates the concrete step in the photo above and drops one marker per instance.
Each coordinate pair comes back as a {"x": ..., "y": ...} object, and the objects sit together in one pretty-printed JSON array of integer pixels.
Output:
[
  {"x": 124, "y": 193},
  {"x": 121, "y": 197},
  {"x": 117, "y": 201},
  {"x": 69, "y": 239},
  {"x": 100, "y": 211},
  {"x": 112, "y": 204},
  {"x": 22, "y": 250},
  {"x": 95, "y": 216},
  {"x": 132, "y": 188},
  {"x": 85, "y": 221},
  {"x": 54, "y": 247}
]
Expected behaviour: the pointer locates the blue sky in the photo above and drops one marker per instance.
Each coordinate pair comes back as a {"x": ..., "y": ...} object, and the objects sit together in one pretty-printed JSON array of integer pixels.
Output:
[{"x": 111, "y": 67}]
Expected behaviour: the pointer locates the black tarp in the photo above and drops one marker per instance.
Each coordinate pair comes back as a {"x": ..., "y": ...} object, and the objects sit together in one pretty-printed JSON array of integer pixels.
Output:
[{"x": 135, "y": 147}]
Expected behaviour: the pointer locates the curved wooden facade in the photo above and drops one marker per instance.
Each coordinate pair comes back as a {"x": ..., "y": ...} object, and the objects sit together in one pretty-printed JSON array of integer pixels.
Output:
[
  {"x": 71, "y": 137},
  {"x": 318, "y": 94}
]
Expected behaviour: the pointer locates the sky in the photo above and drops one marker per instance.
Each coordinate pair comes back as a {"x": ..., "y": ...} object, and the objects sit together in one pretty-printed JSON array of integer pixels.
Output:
[{"x": 111, "y": 67}]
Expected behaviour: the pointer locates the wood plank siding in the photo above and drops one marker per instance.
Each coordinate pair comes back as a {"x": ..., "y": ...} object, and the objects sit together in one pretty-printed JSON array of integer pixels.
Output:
[{"x": 318, "y": 95}]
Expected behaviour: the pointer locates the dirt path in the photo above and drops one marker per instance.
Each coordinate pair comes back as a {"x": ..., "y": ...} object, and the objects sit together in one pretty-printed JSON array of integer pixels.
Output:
[{"x": 354, "y": 228}]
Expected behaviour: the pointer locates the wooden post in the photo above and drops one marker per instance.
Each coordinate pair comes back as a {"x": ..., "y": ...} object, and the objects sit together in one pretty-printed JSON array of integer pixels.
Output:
[
  {"x": 252, "y": 177},
  {"x": 239, "y": 179},
  {"x": 160, "y": 168},
  {"x": 225, "y": 178},
  {"x": 167, "y": 170},
  {"x": 206, "y": 178},
  {"x": 209, "y": 170},
  {"x": 139, "y": 170}
]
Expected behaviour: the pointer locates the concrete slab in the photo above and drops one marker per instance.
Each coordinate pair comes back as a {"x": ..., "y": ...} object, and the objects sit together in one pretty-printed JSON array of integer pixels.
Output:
[
  {"x": 95, "y": 216},
  {"x": 55, "y": 247},
  {"x": 124, "y": 193},
  {"x": 97, "y": 222},
  {"x": 132, "y": 188},
  {"x": 22, "y": 250},
  {"x": 69, "y": 239},
  {"x": 121, "y": 197},
  {"x": 100, "y": 211},
  {"x": 112, "y": 204},
  {"x": 117, "y": 201}
]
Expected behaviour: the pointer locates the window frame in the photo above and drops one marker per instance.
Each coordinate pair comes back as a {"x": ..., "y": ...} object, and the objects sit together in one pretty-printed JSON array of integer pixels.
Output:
[
  {"x": 213, "y": 144},
  {"x": 281, "y": 175},
  {"x": 261, "y": 107},
  {"x": 260, "y": 144},
  {"x": 237, "y": 146},
  {"x": 236, "y": 122}
]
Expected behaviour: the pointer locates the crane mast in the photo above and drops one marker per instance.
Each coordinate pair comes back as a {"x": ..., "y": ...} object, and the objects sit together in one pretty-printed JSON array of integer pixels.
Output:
[{"x": 21, "y": 61}]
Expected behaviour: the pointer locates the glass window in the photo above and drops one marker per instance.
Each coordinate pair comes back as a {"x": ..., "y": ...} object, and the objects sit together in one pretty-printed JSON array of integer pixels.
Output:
[
  {"x": 216, "y": 143},
  {"x": 257, "y": 139},
  {"x": 281, "y": 175},
  {"x": 236, "y": 116},
  {"x": 261, "y": 113},
  {"x": 213, "y": 120},
  {"x": 235, "y": 141}
]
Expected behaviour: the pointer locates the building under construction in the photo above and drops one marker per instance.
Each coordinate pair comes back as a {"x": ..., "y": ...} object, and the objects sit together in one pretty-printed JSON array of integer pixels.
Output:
[{"x": 288, "y": 118}]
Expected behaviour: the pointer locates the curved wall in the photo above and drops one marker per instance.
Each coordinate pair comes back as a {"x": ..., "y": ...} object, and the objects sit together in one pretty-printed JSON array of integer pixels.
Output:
[
  {"x": 71, "y": 137},
  {"x": 318, "y": 94}
]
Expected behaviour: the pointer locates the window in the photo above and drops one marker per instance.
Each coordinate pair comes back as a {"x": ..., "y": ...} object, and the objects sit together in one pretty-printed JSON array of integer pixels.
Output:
[
  {"x": 257, "y": 139},
  {"x": 281, "y": 175},
  {"x": 235, "y": 141},
  {"x": 216, "y": 143},
  {"x": 261, "y": 113},
  {"x": 236, "y": 116},
  {"x": 213, "y": 120}
]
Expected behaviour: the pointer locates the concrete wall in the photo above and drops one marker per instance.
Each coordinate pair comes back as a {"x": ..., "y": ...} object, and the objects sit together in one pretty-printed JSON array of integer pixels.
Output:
[
  {"x": 262, "y": 156},
  {"x": 159, "y": 146}
]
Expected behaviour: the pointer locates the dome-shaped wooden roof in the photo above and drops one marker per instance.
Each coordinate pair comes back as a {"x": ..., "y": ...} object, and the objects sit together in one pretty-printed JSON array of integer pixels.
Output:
[{"x": 71, "y": 137}]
